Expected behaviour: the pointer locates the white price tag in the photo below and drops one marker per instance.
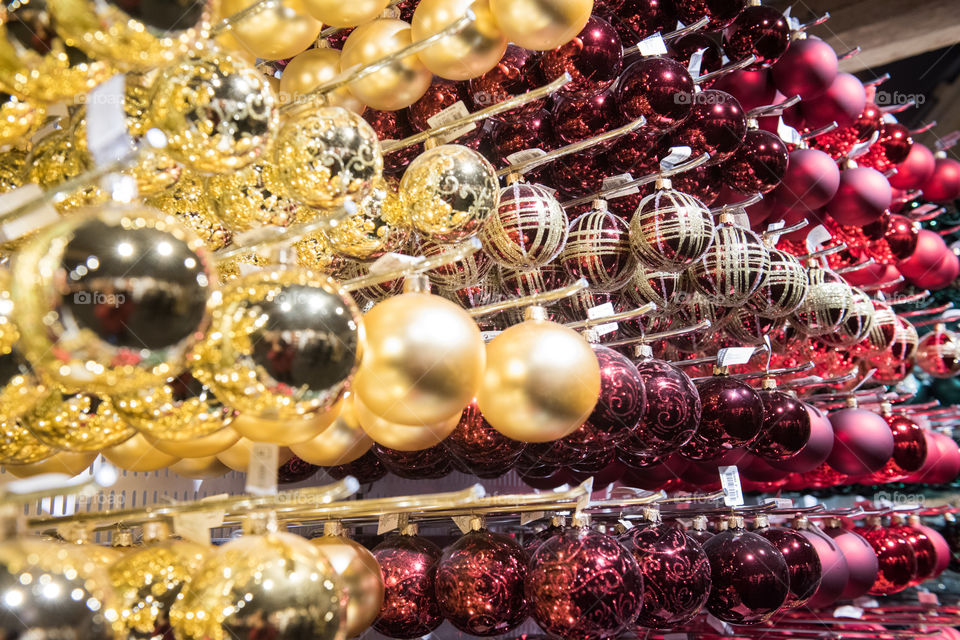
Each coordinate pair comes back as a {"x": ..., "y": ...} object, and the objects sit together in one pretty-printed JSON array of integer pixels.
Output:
[
  {"x": 731, "y": 356},
  {"x": 387, "y": 523},
  {"x": 928, "y": 597},
  {"x": 626, "y": 524},
  {"x": 489, "y": 335},
  {"x": 788, "y": 134},
  {"x": 583, "y": 502},
  {"x": 741, "y": 219},
  {"x": 602, "y": 311},
  {"x": 527, "y": 154},
  {"x": 775, "y": 226},
  {"x": 848, "y": 611},
  {"x": 676, "y": 156},
  {"x": 262, "y": 470},
  {"x": 196, "y": 526},
  {"x": 676, "y": 636},
  {"x": 41, "y": 216},
  {"x": 730, "y": 482},
  {"x": 454, "y": 112},
  {"x": 612, "y": 182},
  {"x": 866, "y": 602},
  {"x": 463, "y": 523},
  {"x": 783, "y": 503},
  {"x": 888, "y": 118},
  {"x": 816, "y": 237},
  {"x": 107, "y": 135},
  {"x": 652, "y": 46},
  {"x": 393, "y": 262},
  {"x": 531, "y": 516},
  {"x": 696, "y": 62}
]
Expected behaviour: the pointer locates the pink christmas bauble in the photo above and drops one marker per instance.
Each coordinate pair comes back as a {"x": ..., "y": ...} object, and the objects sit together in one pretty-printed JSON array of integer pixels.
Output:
[
  {"x": 862, "y": 197},
  {"x": 861, "y": 560},
  {"x": 943, "y": 185},
  {"x": 842, "y": 102},
  {"x": 948, "y": 467},
  {"x": 751, "y": 88},
  {"x": 807, "y": 69},
  {"x": 817, "y": 449},
  {"x": 833, "y": 565},
  {"x": 940, "y": 276},
  {"x": 915, "y": 170},
  {"x": 863, "y": 442},
  {"x": 929, "y": 253},
  {"x": 811, "y": 180}
]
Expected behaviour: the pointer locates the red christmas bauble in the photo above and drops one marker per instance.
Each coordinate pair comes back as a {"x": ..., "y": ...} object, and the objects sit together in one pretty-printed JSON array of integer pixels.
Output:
[
  {"x": 811, "y": 180},
  {"x": 583, "y": 585},
  {"x": 758, "y": 470},
  {"x": 923, "y": 549},
  {"x": 929, "y": 253},
  {"x": 657, "y": 88},
  {"x": 940, "y": 277},
  {"x": 863, "y": 442},
  {"x": 720, "y": 12},
  {"x": 758, "y": 165},
  {"x": 896, "y": 560},
  {"x": 901, "y": 235},
  {"x": 366, "y": 469},
  {"x": 862, "y": 197},
  {"x": 606, "y": 475},
  {"x": 751, "y": 88},
  {"x": 807, "y": 69},
  {"x": 818, "y": 447},
  {"x": 731, "y": 416},
  {"x": 833, "y": 569},
  {"x": 578, "y": 174},
  {"x": 862, "y": 564},
  {"x": 803, "y": 561},
  {"x": 393, "y": 125},
  {"x": 891, "y": 148},
  {"x": 478, "y": 448},
  {"x": 409, "y": 568},
  {"x": 940, "y": 546},
  {"x": 516, "y": 73},
  {"x": 842, "y": 102},
  {"x": 750, "y": 577},
  {"x": 295, "y": 470},
  {"x": 948, "y": 467},
  {"x": 533, "y": 132},
  {"x": 637, "y": 152},
  {"x": 943, "y": 185},
  {"x": 716, "y": 125},
  {"x": 909, "y": 450},
  {"x": 575, "y": 119},
  {"x": 915, "y": 170},
  {"x": 637, "y": 19},
  {"x": 676, "y": 574},
  {"x": 593, "y": 59},
  {"x": 703, "y": 183},
  {"x": 682, "y": 50},
  {"x": 786, "y": 426},
  {"x": 441, "y": 94},
  {"x": 760, "y": 31},
  {"x": 479, "y": 583}
]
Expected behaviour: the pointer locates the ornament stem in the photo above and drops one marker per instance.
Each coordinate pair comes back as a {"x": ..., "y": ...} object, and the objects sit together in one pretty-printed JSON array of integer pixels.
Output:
[
  {"x": 679, "y": 33},
  {"x": 613, "y": 192},
  {"x": 876, "y": 81},
  {"x": 662, "y": 335},
  {"x": 850, "y": 54},
  {"x": 856, "y": 267},
  {"x": 532, "y": 300},
  {"x": 823, "y": 253},
  {"x": 827, "y": 128},
  {"x": 880, "y": 285},
  {"x": 646, "y": 309},
  {"x": 456, "y": 253},
  {"x": 779, "y": 232},
  {"x": 773, "y": 109},
  {"x": 754, "y": 199},
  {"x": 707, "y": 78}
]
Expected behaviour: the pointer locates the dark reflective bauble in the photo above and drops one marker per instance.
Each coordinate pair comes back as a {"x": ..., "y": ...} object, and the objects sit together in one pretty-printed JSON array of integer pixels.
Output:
[
  {"x": 760, "y": 31},
  {"x": 802, "y": 560},
  {"x": 409, "y": 568},
  {"x": 786, "y": 426},
  {"x": 657, "y": 88},
  {"x": 750, "y": 577}
]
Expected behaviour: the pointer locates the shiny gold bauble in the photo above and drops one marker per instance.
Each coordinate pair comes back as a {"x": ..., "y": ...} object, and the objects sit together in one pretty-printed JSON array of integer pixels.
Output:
[
  {"x": 463, "y": 56},
  {"x": 782, "y": 289},
  {"x": 237, "y": 457},
  {"x": 449, "y": 192},
  {"x": 399, "y": 84},
  {"x": 541, "y": 25},
  {"x": 274, "y": 32},
  {"x": 283, "y": 344},
  {"x": 404, "y": 437},
  {"x": 114, "y": 298},
  {"x": 219, "y": 113},
  {"x": 53, "y": 590},
  {"x": 542, "y": 381},
  {"x": 12, "y": 168},
  {"x": 827, "y": 303},
  {"x": 287, "y": 431},
  {"x": 64, "y": 462},
  {"x": 423, "y": 360},
  {"x": 732, "y": 268},
  {"x": 360, "y": 576},
  {"x": 327, "y": 155},
  {"x": 56, "y": 159},
  {"x": 137, "y": 454},
  {"x": 346, "y": 14},
  {"x": 277, "y": 581},
  {"x": 19, "y": 117},
  {"x": 20, "y": 390},
  {"x": 315, "y": 67},
  {"x": 78, "y": 422},
  {"x": 315, "y": 252},
  {"x": 200, "y": 447},
  {"x": 133, "y": 37},
  {"x": 856, "y": 325},
  {"x": 228, "y": 42},
  {"x": 254, "y": 197},
  {"x": 188, "y": 200},
  {"x": 19, "y": 446},
  {"x": 200, "y": 468},
  {"x": 342, "y": 442},
  {"x": 378, "y": 226}
]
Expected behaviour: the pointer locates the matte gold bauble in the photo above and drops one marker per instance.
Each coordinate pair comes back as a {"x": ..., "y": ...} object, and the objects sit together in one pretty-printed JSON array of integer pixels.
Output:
[
  {"x": 137, "y": 454},
  {"x": 360, "y": 575},
  {"x": 283, "y": 344},
  {"x": 200, "y": 447},
  {"x": 237, "y": 457},
  {"x": 287, "y": 431},
  {"x": 542, "y": 381},
  {"x": 114, "y": 297},
  {"x": 346, "y": 14},
  {"x": 56, "y": 159},
  {"x": 397, "y": 85},
  {"x": 423, "y": 360},
  {"x": 64, "y": 462},
  {"x": 541, "y": 25},
  {"x": 254, "y": 197},
  {"x": 342, "y": 442},
  {"x": 828, "y": 301},
  {"x": 77, "y": 422},
  {"x": 200, "y": 468},
  {"x": 228, "y": 42},
  {"x": 19, "y": 117},
  {"x": 404, "y": 437},
  {"x": 463, "y": 56},
  {"x": 257, "y": 581},
  {"x": 188, "y": 200},
  {"x": 53, "y": 590},
  {"x": 449, "y": 192},
  {"x": 219, "y": 113},
  {"x": 19, "y": 446},
  {"x": 274, "y": 32},
  {"x": 378, "y": 226},
  {"x": 315, "y": 67}
]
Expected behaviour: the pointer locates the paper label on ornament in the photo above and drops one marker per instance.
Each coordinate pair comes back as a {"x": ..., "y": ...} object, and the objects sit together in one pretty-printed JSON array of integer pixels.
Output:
[
  {"x": 262, "y": 470},
  {"x": 549, "y": 190},
  {"x": 787, "y": 133},
  {"x": 583, "y": 502},
  {"x": 793, "y": 23},
  {"x": 518, "y": 157},
  {"x": 775, "y": 226},
  {"x": 816, "y": 237},
  {"x": 40, "y": 216},
  {"x": 527, "y": 517},
  {"x": 848, "y": 611},
  {"x": 389, "y": 262},
  {"x": 783, "y": 503},
  {"x": 612, "y": 182},
  {"x": 602, "y": 311},
  {"x": 107, "y": 137},
  {"x": 626, "y": 524},
  {"x": 196, "y": 527},
  {"x": 455, "y": 111},
  {"x": 730, "y": 482},
  {"x": 862, "y": 147},
  {"x": 888, "y": 118},
  {"x": 387, "y": 523},
  {"x": 463, "y": 523},
  {"x": 928, "y": 597},
  {"x": 652, "y": 46},
  {"x": 732, "y": 356},
  {"x": 58, "y": 110},
  {"x": 489, "y": 335},
  {"x": 677, "y": 155},
  {"x": 740, "y": 218},
  {"x": 696, "y": 63}
]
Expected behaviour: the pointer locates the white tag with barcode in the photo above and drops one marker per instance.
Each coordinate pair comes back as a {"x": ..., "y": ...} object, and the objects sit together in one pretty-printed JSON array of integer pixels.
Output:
[
  {"x": 788, "y": 134},
  {"x": 393, "y": 262},
  {"x": 602, "y": 311},
  {"x": 612, "y": 182},
  {"x": 783, "y": 503},
  {"x": 40, "y": 216},
  {"x": 730, "y": 482},
  {"x": 455, "y": 111},
  {"x": 676, "y": 156},
  {"x": 696, "y": 62},
  {"x": 526, "y": 154},
  {"x": 387, "y": 523},
  {"x": 848, "y": 611},
  {"x": 262, "y": 470},
  {"x": 775, "y": 226},
  {"x": 732, "y": 356},
  {"x": 816, "y": 237},
  {"x": 107, "y": 137},
  {"x": 531, "y": 516},
  {"x": 652, "y": 46}
]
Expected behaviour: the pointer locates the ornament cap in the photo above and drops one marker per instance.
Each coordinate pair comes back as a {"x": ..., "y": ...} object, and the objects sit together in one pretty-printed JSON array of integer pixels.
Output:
[
  {"x": 652, "y": 514},
  {"x": 476, "y": 523},
  {"x": 154, "y": 531},
  {"x": 514, "y": 177},
  {"x": 333, "y": 529},
  {"x": 644, "y": 350},
  {"x": 913, "y": 520},
  {"x": 662, "y": 184},
  {"x": 580, "y": 520},
  {"x": 720, "y": 370},
  {"x": 536, "y": 312},
  {"x": 768, "y": 383},
  {"x": 260, "y": 523},
  {"x": 699, "y": 523},
  {"x": 599, "y": 204},
  {"x": 874, "y": 521},
  {"x": 410, "y": 529},
  {"x": 852, "y": 403},
  {"x": 123, "y": 539},
  {"x": 735, "y": 522},
  {"x": 834, "y": 523},
  {"x": 762, "y": 521},
  {"x": 800, "y": 522},
  {"x": 417, "y": 283}
]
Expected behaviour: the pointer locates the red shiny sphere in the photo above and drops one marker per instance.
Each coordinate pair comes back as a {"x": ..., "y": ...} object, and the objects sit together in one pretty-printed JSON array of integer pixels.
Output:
[
  {"x": 583, "y": 585},
  {"x": 862, "y": 563},
  {"x": 901, "y": 236},
  {"x": 862, "y": 197},
  {"x": 478, "y": 448},
  {"x": 941, "y": 276},
  {"x": 409, "y": 568},
  {"x": 811, "y": 180},
  {"x": 786, "y": 426},
  {"x": 731, "y": 416},
  {"x": 657, "y": 88},
  {"x": 803, "y": 561},
  {"x": 758, "y": 470},
  {"x": 833, "y": 569},
  {"x": 928, "y": 254},
  {"x": 575, "y": 119},
  {"x": 909, "y": 450},
  {"x": 948, "y": 467},
  {"x": 817, "y": 449},
  {"x": 896, "y": 560},
  {"x": 578, "y": 174},
  {"x": 751, "y": 88},
  {"x": 479, "y": 583},
  {"x": 533, "y": 132},
  {"x": 676, "y": 574},
  {"x": 621, "y": 405},
  {"x": 863, "y": 442},
  {"x": 807, "y": 69},
  {"x": 891, "y": 148},
  {"x": 295, "y": 470},
  {"x": 760, "y": 31},
  {"x": 842, "y": 103},
  {"x": 750, "y": 577},
  {"x": 720, "y": 12},
  {"x": 427, "y": 463},
  {"x": 943, "y": 185},
  {"x": 593, "y": 59},
  {"x": 637, "y": 152},
  {"x": 703, "y": 183},
  {"x": 931, "y": 465},
  {"x": 441, "y": 94},
  {"x": 923, "y": 549},
  {"x": 516, "y": 73},
  {"x": 940, "y": 546},
  {"x": 915, "y": 170},
  {"x": 758, "y": 165},
  {"x": 717, "y": 125},
  {"x": 682, "y": 49},
  {"x": 637, "y": 19}
]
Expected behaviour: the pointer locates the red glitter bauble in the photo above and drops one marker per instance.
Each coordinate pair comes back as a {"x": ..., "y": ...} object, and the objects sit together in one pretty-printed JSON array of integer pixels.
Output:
[
  {"x": 682, "y": 49},
  {"x": 393, "y": 125},
  {"x": 863, "y": 442},
  {"x": 943, "y": 185},
  {"x": 575, "y": 119},
  {"x": 720, "y": 12},
  {"x": 759, "y": 31},
  {"x": 833, "y": 569},
  {"x": 478, "y": 448},
  {"x": 731, "y": 416},
  {"x": 807, "y": 69},
  {"x": 637, "y": 19},
  {"x": 637, "y": 152},
  {"x": 676, "y": 574},
  {"x": 786, "y": 426},
  {"x": 479, "y": 583},
  {"x": 861, "y": 560},
  {"x": 923, "y": 549},
  {"x": 896, "y": 560},
  {"x": 533, "y": 132},
  {"x": 578, "y": 174},
  {"x": 716, "y": 125},
  {"x": 593, "y": 59},
  {"x": 915, "y": 170},
  {"x": 703, "y": 183},
  {"x": 414, "y": 465},
  {"x": 366, "y": 469},
  {"x": 583, "y": 585},
  {"x": 758, "y": 165},
  {"x": 658, "y": 88},
  {"x": 802, "y": 561},
  {"x": 409, "y": 568},
  {"x": 909, "y": 450},
  {"x": 516, "y": 73},
  {"x": 750, "y": 577},
  {"x": 900, "y": 235},
  {"x": 441, "y": 94},
  {"x": 842, "y": 102},
  {"x": 811, "y": 180},
  {"x": 891, "y": 148}
]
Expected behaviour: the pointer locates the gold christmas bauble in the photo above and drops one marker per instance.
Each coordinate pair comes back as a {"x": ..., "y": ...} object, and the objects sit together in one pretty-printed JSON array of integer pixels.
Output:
[
  {"x": 137, "y": 454},
  {"x": 287, "y": 431},
  {"x": 200, "y": 447},
  {"x": 342, "y": 442},
  {"x": 598, "y": 249},
  {"x": 237, "y": 457},
  {"x": 659, "y": 287},
  {"x": 404, "y": 437},
  {"x": 19, "y": 117},
  {"x": 77, "y": 422},
  {"x": 360, "y": 576},
  {"x": 378, "y": 226},
  {"x": 315, "y": 67},
  {"x": 856, "y": 325},
  {"x": 219, "y": 113},
  {"x": 114, "y": 297},
  {"x": 315, "y": 252},
  {"x": 19, "y": 446},
  {"x": 254, "y": 197},
  {"x": 277, "y": 583},
  {"x": 20, "y": 390},
  {"x": 346, "y": 14},
  {"x": 283, "y": 344},
  {"x": 541, "y": 25},
  {"x": 423, "y": 360},
  {"x": 827, "y": 303},
  {"x": 449, "y": 191},
  {"x": 188, "y": 200},
  {"x": 277, "y": 31},
  {"x": 528, "y": 229},
  {"x": 670, "y": 230},
  {"x": 64, "y": 462},
  {"x": 200, "y": 468},
  {"x": 732, "y": 267},
  {"x": 782, "y": 288},
  {"x": 56, "y": 159},
  {"x": 541, "y": 382},
  {"x": 395, "y": 86},
  {"x": 12, "y": 169},
  {"x": 463, "y": 56}
]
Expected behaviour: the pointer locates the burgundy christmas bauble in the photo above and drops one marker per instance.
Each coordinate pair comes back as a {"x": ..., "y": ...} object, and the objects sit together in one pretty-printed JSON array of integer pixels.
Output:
[
  {"x": 295, "y": 470},
  {"x": 393, "y": 125},
  {"x": 915, "y": 170},
  {"x": 786, "y": 426},
  {"x": 901, "y": 235},
  {"x": 751, "y": 88},
  {"x": 575, "y": 119},
  {"x": 583, "y": 585},
  {"x": 441, "y": 94},
  {"x": 598, "y": 249},
  {"x": 478, "y": 448},
  {"x": 533, "y": 132},
  {"x": 932, "y": 463},
  {"x": 366, "y": 469},
  {"x": 479, "y": 583},
  {"x": 811, "y": 180},
  {"x": 637, "y": 19},
  {"x": 943, "y": 185},
  {"x": 720, "y": 12},
  {"x": 833, "y": 569},
  {"x": 637, "y": 152},
  {"x": 909, "y": 450},
  {"x": 758, "y": 165},
  {"x": 758, "y": 31},
  {"x": 862, "y": 197},
  {"x": 861, "y": 560},
  {"x": 802, "y": 559},
  {"x": 896, "y": 560},
  {"x": 863, "y": 442},
  {"x": 433, "y": 462},
  {"x": 923, "y": 549},
  {"x": 750, "y": 577},
  {"x": 807, "y": 69},
  {"x": 594, "y": 59},
  {"x": 716, "y": 125},
  {"x": 516, "y": 73},
  {"x": 818, "y": 447},
  {"x": 683, "y": 48},
  {"x": 676, "y": 574},
  {"x": 842, "y": 102},
  {"x": 657, "y": 88},
  {"x": 703, "y": 183},
  {"x": 731, "y": 416},
  {"x": 890, "y": 149},
  {"x": 578, "y": 174},
  {"x": 409, "y": 568}
]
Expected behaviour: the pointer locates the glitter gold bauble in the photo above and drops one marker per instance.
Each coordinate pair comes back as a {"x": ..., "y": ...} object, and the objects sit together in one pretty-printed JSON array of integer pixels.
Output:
[
  {"x": 315, "y": 252},
  {"x": 253, "y": 197},
  {"x": 53, "y": 590},
  {"x": 64, "y": 462},
  {"x": 856, "y": 325},
  {"x": 19, "y": 446},
  {"x": 423, "y": 360},
  {"x": 137, "y": 454},
  {"x": 287, "y": 431},
  {"x": 342, "y": 442},
  {"x": 399, "y": 84},
  {"x": 659, "y": 287},
  {"x": 19, "y": 117},
  {"x": 449, "y": 191},
  {"x": 20, "y": 390},
  {"x": 541, "y": 25},
  {"x": 377, "y": 227},
  {"x": 938, "y": 353},
  {"x": 219, "y": 113},
  {"x": 187, "y": 199},
  {"x": 251, "y": 583},
  {"x": 200, "y": 447},
  {"x": 360, "y": 576},
  {"x": 883, "y": 329},
  {"x": 133, "y": 36},
  {"x": 528, "y": 228},
  {"x": 56, "y": 159},
  {"x": 346, "y": 14},
  {"x": 541, "y": 382},
  {"x": 732, "y": 267},
  {"x": 12, "y": 168},
  {"x": 827, "y": 303},
  {"x": 327, "y": 155},
  {"x": 283, "y": 344},
  {"x": 315, "y": 67},
  {"x": 114, "y": 297},
  {"x": 598, "y": 249},
  {"x": 468, "y": 54},
  {"x": 277, "y": 31},
  {"x": 465, "y": 272},
  {"x": 404, "y": 437},
  {"x": 782, "y": 288},
  {"x": 237, "y": 457},
  {"x": 200, "y": 468},
  {"x": 670, "y": 230},
  {"x": 77, "y": 422}
]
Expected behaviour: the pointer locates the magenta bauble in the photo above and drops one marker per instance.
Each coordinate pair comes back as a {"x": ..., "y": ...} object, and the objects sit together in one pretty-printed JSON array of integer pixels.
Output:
[
  {"x": 948, "y": 466},
  {"x": 940, "y": 546},
  {"x": 807, "y": 69},
  {"x": 409, "y": 568},
  {"x": 786, "y": 426},
  {"x": 818, "y": 447},
  {"x": 811, "y": 180},
  {"x": 657, "y": 88},
  {"x": 802, "y": 561},
  {"x": 915, "y": 170},
  {"x": 861, "y": 561},
  {"x": 720, "y": 12},
  {"x": 928, "y": 254},
  {"x": 842, "y": 102},
  {"x": 751, "y": 88},
  {"x": 863, "y": 442},
  {"x": 943, "y": 185},
  {"x": 834, "y": 571},
  {"x": 862, "y": 197},
  {"x": 759, "y": 31}
]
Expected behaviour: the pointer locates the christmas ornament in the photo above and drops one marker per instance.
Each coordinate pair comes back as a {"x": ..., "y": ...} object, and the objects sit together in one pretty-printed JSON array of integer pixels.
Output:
[
  {"x": 468, "y": 54},
  {"x": 811, "y": 180},
  {"x": 863, "y": 441},
  {"x": 310, "y": 69},
  {"x": 759, "y": 31},
  {"x": 205, "y": 468},
  {"x": 720, "y": 12},
  {"x": 64, "y": 462},
  {"x": 782, "y": 288},
  {"x": 670, "y": 230},
  {"x": 943, "y": 185},
  {"x": 138, "y": 454},
  {"x": 393, "y": 125},
  {"x": 856, "y": 325},
  {"x": 541, "y": 25},
  {"x": 786, "y": 425},
  {"x": 802, "y": 559},
  {"x": 909, "y": 449},
  {"x": 253, "y": 197},
  {"x": 528, "y": 228},
  {"x": 863, "y": 195},
  {"x": 479, "y": 449},
  {"x": 200, "y": 447},
  {"x": 807, "y": 68},
  {"x": 732, "y": 267},
  {"x": 658, "y": 89},
  {"x": 342, "y": 442},
  {"x": 843, "y": 101},
  {"x": 337, "y": 14},
  {"x": 758, "y": 164},
  {"x": 189, "y": 202},
  {"x": 402, "y": 436},
  {"x": 716, "y": 125},
  {"x": 861, "y": 560},
  {"x": 827, "y": 303},
  {"x": 259, "y": 33},
  {"x": 732, "y": 416},
  {"x": 897, "y": 562},
  {"x": 923, "y": 548},
  {"x": 659, "y": 287},
  {"x": 598, "y": 249},
  {"x": 409, "y": 567},
  {"x": 817, "y": 448},
  {"x": 366, "y": 469},
  {"x": 938, "y": 353},
  {"x": 429, "y": 463},
  {"x": 942, "y": 552},
  {"x": 834, "y": 571},
  {"x": 516, "y": 73},
  {"x": 915, "y": 170},
  {"x": 237, "y": 456},
  {"x": 360, "y": 576},
  {"x": 593, "y": 58},
  {"x": 637, "y": 19},
  {"x": 77, "y": 422}
]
